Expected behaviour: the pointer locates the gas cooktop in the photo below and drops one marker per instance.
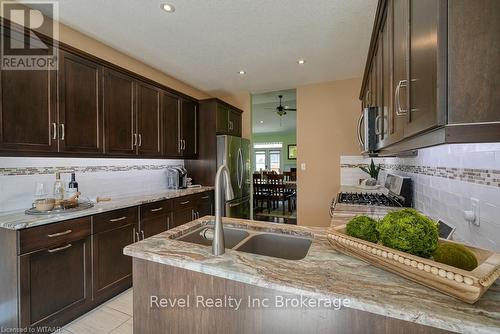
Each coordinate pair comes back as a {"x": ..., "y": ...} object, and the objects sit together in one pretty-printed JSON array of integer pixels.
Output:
[{"x": 377, "y": 199}]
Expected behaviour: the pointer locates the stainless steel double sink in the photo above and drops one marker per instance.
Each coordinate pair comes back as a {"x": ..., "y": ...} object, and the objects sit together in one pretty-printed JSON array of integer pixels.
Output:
[{"x": 262, "y": 243}]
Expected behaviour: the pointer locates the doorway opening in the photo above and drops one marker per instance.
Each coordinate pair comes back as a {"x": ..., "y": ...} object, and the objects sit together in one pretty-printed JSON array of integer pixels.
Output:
[{"x": 274, "y": 156}]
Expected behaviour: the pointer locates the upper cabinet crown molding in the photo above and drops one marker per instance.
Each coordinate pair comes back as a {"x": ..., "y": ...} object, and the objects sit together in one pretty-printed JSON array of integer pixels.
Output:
[{"x": 433, "y": 72}]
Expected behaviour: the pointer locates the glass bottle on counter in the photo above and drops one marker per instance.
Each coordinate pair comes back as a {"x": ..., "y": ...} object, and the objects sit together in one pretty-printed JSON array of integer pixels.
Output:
[
  {"x": 72, "y": 186},
  {"x": 58, "y": 188}
]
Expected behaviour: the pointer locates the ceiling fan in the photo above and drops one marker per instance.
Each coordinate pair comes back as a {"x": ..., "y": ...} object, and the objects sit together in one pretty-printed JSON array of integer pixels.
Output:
[{"x": 281, "y": 110}]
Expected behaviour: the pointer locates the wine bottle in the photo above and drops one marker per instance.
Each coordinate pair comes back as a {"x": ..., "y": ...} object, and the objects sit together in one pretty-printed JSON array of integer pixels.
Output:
[{"x": 73, "y": 185}]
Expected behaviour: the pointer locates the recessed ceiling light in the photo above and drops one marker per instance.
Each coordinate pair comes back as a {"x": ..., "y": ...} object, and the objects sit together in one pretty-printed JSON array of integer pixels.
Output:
[
  {"x": 167, "y": 7},
  {"x": 242, "y": 72},
  {"x": 301, "y": 61},
  {"x": 261, "y": 122}
]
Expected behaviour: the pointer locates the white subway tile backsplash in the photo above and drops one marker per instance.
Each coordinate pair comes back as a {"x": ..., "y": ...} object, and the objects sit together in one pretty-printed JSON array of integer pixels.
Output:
[
  {"x": 445, "y": 179},
  {"x": 96, "y": 177}
]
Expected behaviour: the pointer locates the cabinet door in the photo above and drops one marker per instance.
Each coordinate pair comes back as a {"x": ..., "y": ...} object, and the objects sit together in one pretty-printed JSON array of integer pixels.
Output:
[
  {"x": 112, "y": 270},
  {"x": 54, "y": 280},
  {"x": 148, "y": 116},
  {"x": 386, "y": 73},
  {"x": 189, "y": 128},
  {"x": 153, "y": 226},
  {"x": 80, "y": 110},
  {"x": 235, "y": 123},
  {"x": 28, "y": 110},
  {"x": 182, "y": 216},
  {"x": 423, "y": 111},
  {"x": 171, "y": 126},
  {"x": 400, "y": 69},
  {"x": 473, "y": 61},
  {"x": 222, "y": 119},
  {"x": 119, "y": 116},
  {"x": 205, "y": 204}
]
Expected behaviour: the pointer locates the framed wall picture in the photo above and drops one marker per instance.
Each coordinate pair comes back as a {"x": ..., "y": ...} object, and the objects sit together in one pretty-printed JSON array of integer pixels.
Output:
[{"x": 292, "y": 152}]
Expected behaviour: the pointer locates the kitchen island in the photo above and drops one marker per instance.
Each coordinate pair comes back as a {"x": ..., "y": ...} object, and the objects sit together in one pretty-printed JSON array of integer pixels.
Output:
[{"x": 182, "y": 287}]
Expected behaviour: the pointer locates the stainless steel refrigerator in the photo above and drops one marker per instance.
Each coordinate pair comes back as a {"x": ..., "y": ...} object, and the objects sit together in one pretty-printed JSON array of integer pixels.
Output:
[{"x": 234, "y": 152}]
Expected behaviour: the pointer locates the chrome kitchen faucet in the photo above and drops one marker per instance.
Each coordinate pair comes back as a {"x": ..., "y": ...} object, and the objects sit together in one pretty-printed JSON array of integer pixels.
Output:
[{"x": 218, "y": 246}]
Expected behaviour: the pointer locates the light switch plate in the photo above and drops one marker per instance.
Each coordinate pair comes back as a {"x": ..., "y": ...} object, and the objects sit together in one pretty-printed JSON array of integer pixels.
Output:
[{"x": 303, "y": 166}]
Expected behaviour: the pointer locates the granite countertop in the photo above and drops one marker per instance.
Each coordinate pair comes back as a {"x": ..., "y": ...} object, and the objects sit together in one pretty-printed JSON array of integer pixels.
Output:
[
  {"x": 16, "y": 220},
  {"x": 324, "y": 273}
]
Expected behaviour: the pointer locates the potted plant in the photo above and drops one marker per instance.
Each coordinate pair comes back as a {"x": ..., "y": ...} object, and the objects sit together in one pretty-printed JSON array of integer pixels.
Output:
[{"x": 373, "y": 171}]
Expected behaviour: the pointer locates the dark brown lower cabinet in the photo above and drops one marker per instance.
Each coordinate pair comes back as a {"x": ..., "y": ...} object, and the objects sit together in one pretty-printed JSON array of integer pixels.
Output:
[
  {"x": 112, "y": 270},
  {"x": 153, "y": 226},
  {"x": 55, "y": 282},
  {"x": 54, "y": 273}
]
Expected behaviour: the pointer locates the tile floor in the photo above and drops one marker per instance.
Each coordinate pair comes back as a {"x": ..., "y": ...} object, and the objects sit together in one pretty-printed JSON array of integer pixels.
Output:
[{"x": 114, "y": 317}]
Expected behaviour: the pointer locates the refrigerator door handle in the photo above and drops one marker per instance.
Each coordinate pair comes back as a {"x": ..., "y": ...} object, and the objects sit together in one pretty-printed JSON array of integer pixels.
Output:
[{"x": 242, "y": 168}]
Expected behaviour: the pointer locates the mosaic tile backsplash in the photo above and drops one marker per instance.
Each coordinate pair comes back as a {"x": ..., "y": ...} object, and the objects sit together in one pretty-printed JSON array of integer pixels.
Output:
[
  {"x": 446, "y": 180},
  {"x": 96, "y": 177}
]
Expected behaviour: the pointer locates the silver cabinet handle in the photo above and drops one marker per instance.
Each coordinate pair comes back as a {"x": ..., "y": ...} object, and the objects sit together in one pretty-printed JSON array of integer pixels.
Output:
[
  {"x": 377, "y": 125},
  {"x": 54, "y": 131},
  {"x": 168, "y": 222},
  {"x": 183, "y": 203},
  {"x": 53, "y": 250},
  {"x": 183, "y": 145},
  {"x": 367, "y": 95},
  {"x": 118, "y": 219},
  {"x": 137, "y": 236},
  {"x": 156, "y": 209},
  {"x": 133, "y": 234},
  {"x": 360, "y": 123},
  {"x": 140, "y": 140},
  {"x": 142, "y": 234},
  {"x": 192, "y": 215},
  {"x": 179, "y": 146},
  {"x": 63, "y": 131},
  {"x": 135, "y": 139},
  {"x": 198, "y": 215},
  {"x": 397, "y": 94},
  {"x": 205, "y": 197},
  {"x": 59, "y": 234}
]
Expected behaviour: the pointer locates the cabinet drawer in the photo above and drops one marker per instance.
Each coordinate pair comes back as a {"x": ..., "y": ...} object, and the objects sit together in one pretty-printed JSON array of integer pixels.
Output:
[
  {"x": 114, "y": 219},
  {"x": 184, "y": 202},
  {"x": 45, "y": 236},
  {"x": 204, "y": 197},
  {"x": 156, "y": 209}
]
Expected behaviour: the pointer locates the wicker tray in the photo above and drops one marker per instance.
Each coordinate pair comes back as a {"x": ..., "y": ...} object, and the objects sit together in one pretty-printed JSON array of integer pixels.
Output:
[
  {"x": 82, "y": 205},
  {"x": 467, "y": 286}
]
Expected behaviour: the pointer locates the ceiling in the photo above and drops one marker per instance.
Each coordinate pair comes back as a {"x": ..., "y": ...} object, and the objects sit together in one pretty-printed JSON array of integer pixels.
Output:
[
  {"x": 272, "y": 123},
  {"x": 206, "y": 43}
]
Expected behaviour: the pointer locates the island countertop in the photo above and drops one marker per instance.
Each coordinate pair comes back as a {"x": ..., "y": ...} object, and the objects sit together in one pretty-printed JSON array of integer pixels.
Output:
[
  {"x": 16, "y": 220},
  {"x": 324, "y": 273}
]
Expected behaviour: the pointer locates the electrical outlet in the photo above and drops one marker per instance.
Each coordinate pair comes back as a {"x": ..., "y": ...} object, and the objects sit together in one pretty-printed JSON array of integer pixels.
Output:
[{"x": 303, "y": 166}]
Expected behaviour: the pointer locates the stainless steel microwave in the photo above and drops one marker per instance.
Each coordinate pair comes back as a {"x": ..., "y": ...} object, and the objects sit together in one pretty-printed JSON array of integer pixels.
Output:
[{"x": 366, "y": 131}]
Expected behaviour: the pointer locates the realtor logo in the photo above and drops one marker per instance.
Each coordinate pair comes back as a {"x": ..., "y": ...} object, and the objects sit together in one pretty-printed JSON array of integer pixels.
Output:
[{"x": 30, "y": 34}]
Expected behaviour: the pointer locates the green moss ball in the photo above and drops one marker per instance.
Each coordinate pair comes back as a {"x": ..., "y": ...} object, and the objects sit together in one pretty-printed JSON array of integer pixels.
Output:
[
  {"x": 363, "y": 227},
  {"x": 409, "y": 231},
  {"x": 456, "y": 256}
]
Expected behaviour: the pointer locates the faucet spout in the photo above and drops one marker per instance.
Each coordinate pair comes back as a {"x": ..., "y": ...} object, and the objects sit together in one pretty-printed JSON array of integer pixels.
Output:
[{"x": 222, "y": 182}]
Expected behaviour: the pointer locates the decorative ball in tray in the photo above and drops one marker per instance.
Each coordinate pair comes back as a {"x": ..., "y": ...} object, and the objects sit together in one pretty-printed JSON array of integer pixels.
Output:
[{"x": 406, "y": 243}]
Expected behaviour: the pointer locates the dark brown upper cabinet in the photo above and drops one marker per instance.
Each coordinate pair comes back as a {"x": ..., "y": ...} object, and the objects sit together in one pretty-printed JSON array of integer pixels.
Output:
[
  {"x": 28, "y": 111},
  {"x": 436, "y": 73},
  {"x": 171, "y": 126},
  {"x": 228, "y": 118},
  {"x": 473, "y": 62},
  {"x": 90, "y": 107},
  {"x": 80, "y": 110},
  {"x": 189, "y": 125},
  {"x": 119, "y": 115},
  {"x": 148, "y": 120}
]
